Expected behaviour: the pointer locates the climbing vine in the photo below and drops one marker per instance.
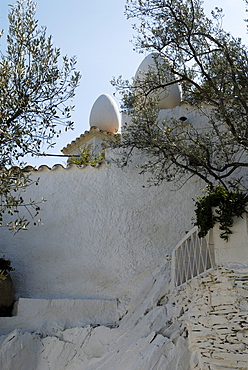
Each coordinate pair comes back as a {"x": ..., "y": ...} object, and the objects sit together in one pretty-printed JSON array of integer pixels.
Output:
[{"x": 219, "y": 205}]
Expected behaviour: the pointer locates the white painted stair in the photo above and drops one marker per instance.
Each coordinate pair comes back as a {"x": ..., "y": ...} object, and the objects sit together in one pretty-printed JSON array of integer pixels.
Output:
[{"x": 36, "y": 315}]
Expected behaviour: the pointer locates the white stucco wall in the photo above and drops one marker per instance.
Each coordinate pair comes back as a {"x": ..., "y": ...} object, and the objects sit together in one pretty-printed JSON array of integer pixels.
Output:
[
  {"x": 102, "y": 233},
  {"x": 198, "y": 118}
]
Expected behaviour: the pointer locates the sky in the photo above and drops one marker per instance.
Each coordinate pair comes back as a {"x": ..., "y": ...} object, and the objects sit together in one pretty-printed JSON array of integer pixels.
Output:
[{"x": 99, "y": 35}]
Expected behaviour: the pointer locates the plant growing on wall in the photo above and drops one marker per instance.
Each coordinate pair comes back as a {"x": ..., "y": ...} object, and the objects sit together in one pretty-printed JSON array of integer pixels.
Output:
[
  {"x": 86, "y": 156},
  {"x": 36, "y": 88},
  {"x": 219, "y": 205},
  {"x": 211, "y": 65},
  {"x": 5, "y": 268}
]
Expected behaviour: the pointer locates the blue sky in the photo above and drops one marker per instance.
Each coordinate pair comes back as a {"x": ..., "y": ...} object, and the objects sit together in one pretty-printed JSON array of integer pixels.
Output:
[{"x": 98, "y": 33}]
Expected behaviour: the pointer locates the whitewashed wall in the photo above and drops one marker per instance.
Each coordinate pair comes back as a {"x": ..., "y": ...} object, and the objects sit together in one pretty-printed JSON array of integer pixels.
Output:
[{"x": 102, "y": 233}]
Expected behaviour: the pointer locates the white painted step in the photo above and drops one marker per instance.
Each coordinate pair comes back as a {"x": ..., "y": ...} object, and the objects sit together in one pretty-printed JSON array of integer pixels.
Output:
[{"x": 36, "y": 315}]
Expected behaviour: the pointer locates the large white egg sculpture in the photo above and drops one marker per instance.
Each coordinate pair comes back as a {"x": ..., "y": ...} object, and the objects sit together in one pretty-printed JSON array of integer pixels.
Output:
[
  {"x": 105, "y": 114},
  {"x": 170, "y": 96}
]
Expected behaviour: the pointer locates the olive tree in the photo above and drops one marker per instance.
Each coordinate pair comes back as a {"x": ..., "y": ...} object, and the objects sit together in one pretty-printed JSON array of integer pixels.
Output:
[
  {"x": 211, "y": 66},
  {"x": 36, "y": 88}
]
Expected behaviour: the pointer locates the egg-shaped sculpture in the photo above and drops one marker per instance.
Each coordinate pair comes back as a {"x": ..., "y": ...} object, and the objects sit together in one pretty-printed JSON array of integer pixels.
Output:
[
  {"x": 170, "y": 96},
  {"x": 105, "y": 114}
]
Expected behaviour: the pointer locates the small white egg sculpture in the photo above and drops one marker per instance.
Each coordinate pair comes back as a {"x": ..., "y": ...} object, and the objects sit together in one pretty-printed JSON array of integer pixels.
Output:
[
  {"x": 105, "y": 114},
  {"x": 170, "y": 96}
]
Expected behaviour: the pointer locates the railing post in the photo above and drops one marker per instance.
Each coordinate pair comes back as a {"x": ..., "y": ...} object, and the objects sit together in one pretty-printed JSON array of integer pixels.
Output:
[{"x": 173, "y": 270}]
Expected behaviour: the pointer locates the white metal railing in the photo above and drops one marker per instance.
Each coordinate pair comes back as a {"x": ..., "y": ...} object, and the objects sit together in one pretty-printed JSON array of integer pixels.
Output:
[{"x": 192, "y": 257}]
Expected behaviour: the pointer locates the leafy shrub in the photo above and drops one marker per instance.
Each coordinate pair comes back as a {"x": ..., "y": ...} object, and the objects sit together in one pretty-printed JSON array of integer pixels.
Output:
[
  {"x": 219, "y": 205},
  {"x": 87, "y": 157},
  {"x": 5, "y": 267}
]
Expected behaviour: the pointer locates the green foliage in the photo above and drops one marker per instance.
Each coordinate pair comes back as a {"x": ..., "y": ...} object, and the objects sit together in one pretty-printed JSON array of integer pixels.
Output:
[
  {"x": 212, "y": 67},
  {"x": 87, "y": 157},
  {"x": 5, "y": 265},
  {"x": 219, "y": 205},
  {"x": 5, "y": 268},
  {"x": 35, "y": 84},
  {"x": 13, "y": 183},
  {"x": 36, "y": 88}
]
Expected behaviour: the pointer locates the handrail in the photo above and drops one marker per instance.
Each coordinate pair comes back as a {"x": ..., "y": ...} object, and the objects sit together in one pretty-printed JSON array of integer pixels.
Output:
[{"x": 191, "y": 257}]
